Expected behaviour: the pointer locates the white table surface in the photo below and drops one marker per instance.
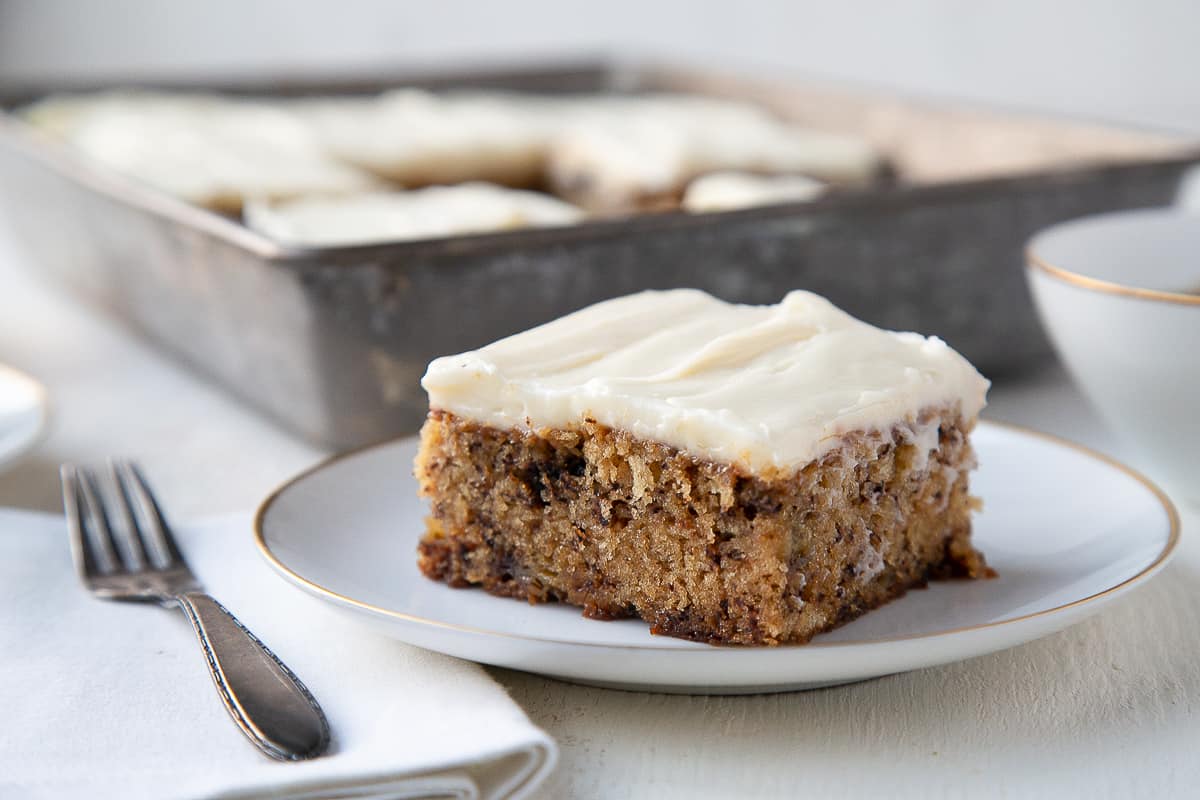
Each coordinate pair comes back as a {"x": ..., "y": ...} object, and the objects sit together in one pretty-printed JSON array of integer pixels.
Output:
[{"x": 1110, "y": 708}]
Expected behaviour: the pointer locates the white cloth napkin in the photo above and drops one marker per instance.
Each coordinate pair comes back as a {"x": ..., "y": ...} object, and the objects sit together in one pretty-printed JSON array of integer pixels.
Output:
[{"x": 112, "y": 700}]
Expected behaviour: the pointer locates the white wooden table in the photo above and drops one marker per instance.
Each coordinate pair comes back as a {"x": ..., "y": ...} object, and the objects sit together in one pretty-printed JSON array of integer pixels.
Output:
[{"x": 1110, "y": 708}]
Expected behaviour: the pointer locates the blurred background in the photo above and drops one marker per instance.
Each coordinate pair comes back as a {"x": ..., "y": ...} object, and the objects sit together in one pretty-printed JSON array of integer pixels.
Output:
[
  {"x": 341, "y": 366},
  {"x": 1107, "y": 59}
]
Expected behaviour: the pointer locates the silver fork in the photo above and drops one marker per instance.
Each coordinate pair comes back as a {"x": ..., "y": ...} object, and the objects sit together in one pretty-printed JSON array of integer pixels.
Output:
[{"x": 137, "y": 559}]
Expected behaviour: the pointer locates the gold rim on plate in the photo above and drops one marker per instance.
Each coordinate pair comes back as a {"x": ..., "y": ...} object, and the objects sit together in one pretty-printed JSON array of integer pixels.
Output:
[{"x": 315, "y": 588}]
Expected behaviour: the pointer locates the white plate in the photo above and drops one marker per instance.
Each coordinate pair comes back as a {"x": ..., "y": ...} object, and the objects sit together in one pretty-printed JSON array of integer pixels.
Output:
[
  {"x": 1068, "y": 531},
  {"x": 22, "y": 413}
]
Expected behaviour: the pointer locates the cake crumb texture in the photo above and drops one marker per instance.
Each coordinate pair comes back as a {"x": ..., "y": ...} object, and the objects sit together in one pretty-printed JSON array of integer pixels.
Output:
[{"x": 626, "y": 527}]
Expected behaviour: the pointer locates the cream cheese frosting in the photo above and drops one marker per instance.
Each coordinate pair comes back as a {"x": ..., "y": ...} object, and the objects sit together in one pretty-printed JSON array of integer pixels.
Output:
[
  {"x": 766, "y": 387},
  {"x": 728, "y": 191},
  {"x": 405, "y": 215},
  {"x": 607, "y": 152},
  {"x": 615, "y": 152},
  {"x": 609, "y": 149},
  {"x": 206, "y": 149},
  {"x": 416, "y": 137}
]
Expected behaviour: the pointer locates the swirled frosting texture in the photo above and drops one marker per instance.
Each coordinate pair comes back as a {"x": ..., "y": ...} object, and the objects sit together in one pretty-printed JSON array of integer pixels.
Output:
[{"x": 769, "y": 388}]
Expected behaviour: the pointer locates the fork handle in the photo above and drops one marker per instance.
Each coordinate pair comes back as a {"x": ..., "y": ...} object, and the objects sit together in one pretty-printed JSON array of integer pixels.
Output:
[{"x": 267, "y": 701}]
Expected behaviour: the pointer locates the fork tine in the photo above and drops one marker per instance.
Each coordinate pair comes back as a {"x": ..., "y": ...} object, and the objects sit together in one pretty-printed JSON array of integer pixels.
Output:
[
  {"x": 156, "y": 529},
  {"x": 129, "y": 533},
  {"x": 81, "y": 549},
  {"x": 98, "y": 531}
]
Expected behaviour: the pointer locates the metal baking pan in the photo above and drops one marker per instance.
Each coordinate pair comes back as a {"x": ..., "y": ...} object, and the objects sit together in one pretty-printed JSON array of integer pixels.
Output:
[{"x": 332, "y": 342}]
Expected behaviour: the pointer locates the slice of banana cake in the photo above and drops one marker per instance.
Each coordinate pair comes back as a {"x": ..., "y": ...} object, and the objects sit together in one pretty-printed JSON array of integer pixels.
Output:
[{"x": 728, "y": 473}]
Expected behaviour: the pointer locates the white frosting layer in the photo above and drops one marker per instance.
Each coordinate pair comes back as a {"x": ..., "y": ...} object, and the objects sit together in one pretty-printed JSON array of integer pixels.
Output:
[
  {"x": 417, "y": 137},
  {"x": 620, "y": 150},
  {"x": 766, "y": 387},
  {"x": 726, "y": 191},
  {"x": 206, "y": 149},
  {"x": 621, "y": 147},
  {"x": 609, "y": 152},
  {"x": 394, "y": 216}
]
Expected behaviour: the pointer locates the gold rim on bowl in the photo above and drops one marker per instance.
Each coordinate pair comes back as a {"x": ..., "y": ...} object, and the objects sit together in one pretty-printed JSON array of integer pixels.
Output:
[{"x": 1034, "y": 261}]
